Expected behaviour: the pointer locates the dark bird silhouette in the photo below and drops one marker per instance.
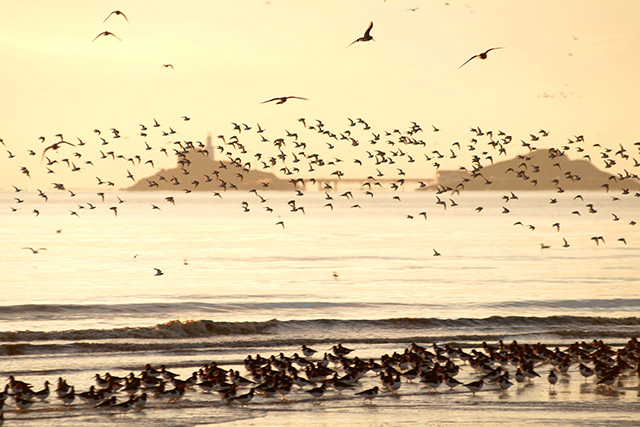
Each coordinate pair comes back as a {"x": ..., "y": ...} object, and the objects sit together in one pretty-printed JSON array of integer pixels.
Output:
[
  {"x": 366, "y": 37},
  {"x": 369, "y": 394},
  {"x": 158, "y": 272},
  {"x": 482, "y": 55},
  {"x": 106, "y": 33},
  {"x": 317, "y": 392},
  {"x": 55, "y": 146},
  {"x": 283, "y": 99},
  {"x": 35, "y": 251},
  {"x": 116, "y": 12},
  {"x": 475, "y": 386}
]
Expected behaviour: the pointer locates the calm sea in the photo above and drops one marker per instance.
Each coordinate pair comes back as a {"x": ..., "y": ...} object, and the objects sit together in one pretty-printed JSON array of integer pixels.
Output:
[{"x": 235, "y": 281}]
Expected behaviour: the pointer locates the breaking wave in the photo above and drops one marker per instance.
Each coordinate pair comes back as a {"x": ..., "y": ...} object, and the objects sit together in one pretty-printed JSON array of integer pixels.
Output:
[{"x": 195, "y": 335}]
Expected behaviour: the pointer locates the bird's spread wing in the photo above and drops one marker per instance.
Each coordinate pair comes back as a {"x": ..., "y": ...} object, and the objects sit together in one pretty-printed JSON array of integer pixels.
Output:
[
  {"x": 366, "y": 33},
  {"x": 467, "y": 61},
  {"x": 493, "y": 48}
]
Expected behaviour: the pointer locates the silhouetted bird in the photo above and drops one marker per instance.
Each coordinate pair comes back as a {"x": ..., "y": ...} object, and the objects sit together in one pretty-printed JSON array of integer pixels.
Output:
[
  {"x": 366, "y": 37},
  {"x": 482, "y": 55},
  {"x": 283, "y": 99},
  {"x": 106, "y": 33},
  {"x": 116, "y": 12}
]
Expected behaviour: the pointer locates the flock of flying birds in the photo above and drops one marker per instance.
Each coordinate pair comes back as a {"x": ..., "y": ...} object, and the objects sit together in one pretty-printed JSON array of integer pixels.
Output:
[{"x": 312, "y": 150}]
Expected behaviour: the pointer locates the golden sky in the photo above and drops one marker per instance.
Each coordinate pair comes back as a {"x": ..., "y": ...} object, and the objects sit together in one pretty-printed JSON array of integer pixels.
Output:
[{"x": 570, "y": 67}]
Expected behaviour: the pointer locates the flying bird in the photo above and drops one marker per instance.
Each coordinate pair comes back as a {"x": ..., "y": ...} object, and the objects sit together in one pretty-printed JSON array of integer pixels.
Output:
[
  {"x": 366, "y": 37},
  {"x": 106, "y": 33},
  {"x": 55, "y": 146},
  {"x": 283, "y": 99},
  {"x": 35, "y": 251},
  {"x": 116, "y": 12},
  {"x": 482, "y": 55},
  {"x": 168, "y": 66}
]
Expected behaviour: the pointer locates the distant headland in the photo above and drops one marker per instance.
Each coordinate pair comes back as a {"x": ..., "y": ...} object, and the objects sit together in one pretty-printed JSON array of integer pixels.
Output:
[
  {"x": 197, "y": 169},
  {"x": 540, "y": 169}
]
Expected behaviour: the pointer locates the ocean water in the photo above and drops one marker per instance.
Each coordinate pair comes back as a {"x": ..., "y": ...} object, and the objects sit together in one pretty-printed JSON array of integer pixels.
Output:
[{"x": 238, "y": 283}]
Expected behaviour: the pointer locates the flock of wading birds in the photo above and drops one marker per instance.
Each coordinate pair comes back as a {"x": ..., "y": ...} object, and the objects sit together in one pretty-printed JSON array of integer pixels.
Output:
[{"x": 308, "y": 378}]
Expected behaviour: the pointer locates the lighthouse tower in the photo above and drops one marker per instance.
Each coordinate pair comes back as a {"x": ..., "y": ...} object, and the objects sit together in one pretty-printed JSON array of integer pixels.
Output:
[{"x": 209, "y": 147}]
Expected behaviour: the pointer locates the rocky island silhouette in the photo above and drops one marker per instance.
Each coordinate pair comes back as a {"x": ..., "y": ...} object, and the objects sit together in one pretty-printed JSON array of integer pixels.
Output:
[{"x": 197, "y": 169}]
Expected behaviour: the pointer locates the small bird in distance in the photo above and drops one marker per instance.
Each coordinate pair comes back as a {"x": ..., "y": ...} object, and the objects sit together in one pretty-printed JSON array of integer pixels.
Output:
[
  {"x": 35, "y": 251},
  {"x": 55, "y": 146},
  {"x": 366, "y": 37},
  {"x": 283, "y": 99},
  {"x": 106, "y": 33},
  {"x": 482, "y": 55},
  {"x": 116, "y": 12}
]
